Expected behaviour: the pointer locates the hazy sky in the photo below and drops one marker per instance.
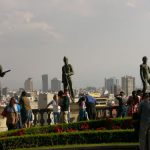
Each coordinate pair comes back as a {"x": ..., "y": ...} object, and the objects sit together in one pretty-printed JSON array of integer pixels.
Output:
[{"x": 101, "y": 38}]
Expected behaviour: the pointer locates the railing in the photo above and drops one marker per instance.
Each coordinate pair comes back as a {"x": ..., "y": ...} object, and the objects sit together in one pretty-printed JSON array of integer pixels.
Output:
[
  {"x": 43, "y": 116},
  {"x": 106, "y": 111}
]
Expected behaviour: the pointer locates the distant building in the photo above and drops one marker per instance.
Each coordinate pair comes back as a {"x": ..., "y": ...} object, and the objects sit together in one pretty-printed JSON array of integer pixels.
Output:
[
  {"x": 28, "y": 85},
  {"x": 55, "y": 85},
  {"x": 128, "y": 84},
  {"x": 112, "y": 85},
  {"x": 5, "y": 91},
  {"x": 45, "y": 83}
]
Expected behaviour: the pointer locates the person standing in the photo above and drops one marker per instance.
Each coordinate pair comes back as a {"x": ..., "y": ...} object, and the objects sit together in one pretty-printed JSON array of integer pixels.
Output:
[
  {"x": 144, "y": 113},
  {"x": 11, "y": 114},
  {"x": 82, "y": 109},
  {"x": 122, "y": 109},
  {"x": 64, "y": 105},
  {"x": 90, "y": 106},
  {"x": 132, "y": 104},
  {"x": 26, "y": 111},
  {"x": 56, "y": 108},
  {"x": 67, "y": 72},
  {"x": 66, "y": 93}
]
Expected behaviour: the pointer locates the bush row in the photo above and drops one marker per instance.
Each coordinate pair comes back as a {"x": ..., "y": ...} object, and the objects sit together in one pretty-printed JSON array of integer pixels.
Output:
[
  {"x": 64, "y": 138},
  {"x": 103, "y": 124}
]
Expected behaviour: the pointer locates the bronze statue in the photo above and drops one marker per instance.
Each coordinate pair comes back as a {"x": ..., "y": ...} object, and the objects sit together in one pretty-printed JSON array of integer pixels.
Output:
[
  {"x": 67, "y": 72},
  {"x": 145, "y": 74},
  {"x": 3, "y": 73}
]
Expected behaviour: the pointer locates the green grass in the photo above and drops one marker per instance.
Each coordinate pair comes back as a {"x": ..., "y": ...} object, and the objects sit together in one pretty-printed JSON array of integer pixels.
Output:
[{"x": 81, "y": 145}]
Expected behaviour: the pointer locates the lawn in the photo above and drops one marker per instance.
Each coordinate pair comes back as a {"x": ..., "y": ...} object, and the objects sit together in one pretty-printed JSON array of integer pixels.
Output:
[{"x": 82, "y": 145}]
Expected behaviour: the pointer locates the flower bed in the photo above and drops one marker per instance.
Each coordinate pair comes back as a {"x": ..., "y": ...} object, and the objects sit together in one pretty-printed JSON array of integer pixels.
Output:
[{"x": 103, "y": 124}]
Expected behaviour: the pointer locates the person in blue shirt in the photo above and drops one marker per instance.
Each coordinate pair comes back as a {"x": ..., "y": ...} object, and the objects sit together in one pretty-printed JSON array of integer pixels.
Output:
[
  {"x": 91, "y": 106},
  {"x": 18, "y": 107}
]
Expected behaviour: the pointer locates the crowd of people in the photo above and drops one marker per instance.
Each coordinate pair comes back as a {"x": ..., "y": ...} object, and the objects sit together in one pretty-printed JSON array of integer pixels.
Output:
[
  {"x": 137, "y": 106},
  {"x": 128, "y": 106},
  {"x": 61, "y": 107},
  {"x": 18, "y": 112}
]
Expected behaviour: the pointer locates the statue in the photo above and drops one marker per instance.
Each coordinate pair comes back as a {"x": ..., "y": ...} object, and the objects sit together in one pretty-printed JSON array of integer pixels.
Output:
[
  {"x": 145, "y": 74},
  {"x": 3, "y": 73},
  {"x": 67, "y": 72}
]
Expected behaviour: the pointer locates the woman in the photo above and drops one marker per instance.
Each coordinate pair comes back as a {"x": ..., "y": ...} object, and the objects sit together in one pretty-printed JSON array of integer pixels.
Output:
[
  {"x": 11, "y": 114},
  {"x": 26, "y": 111},
  {"x": 82, "y": 109}
]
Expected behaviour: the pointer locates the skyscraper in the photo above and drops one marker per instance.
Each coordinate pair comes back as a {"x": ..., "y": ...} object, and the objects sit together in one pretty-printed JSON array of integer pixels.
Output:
[
  {"x": 45, "y": 82},
  {"x": 5, "y": 91},
  {"x": 128, "y": 84},
  {"x": 55, "y": 85},
  {"x": 112, "y": 85},
  {"x": 28, "y": 85}
]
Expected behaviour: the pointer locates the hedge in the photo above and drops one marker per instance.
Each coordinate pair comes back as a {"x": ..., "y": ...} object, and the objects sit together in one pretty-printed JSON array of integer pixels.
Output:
[
  {"x": 103, "y": 124},
  {"x": 64, "y": 138}
]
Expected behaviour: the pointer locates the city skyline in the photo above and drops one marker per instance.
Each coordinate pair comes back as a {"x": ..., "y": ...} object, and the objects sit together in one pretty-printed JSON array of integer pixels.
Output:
[
  {"x": 101, "y": 38},
  {"x": 48, "y": 82}
]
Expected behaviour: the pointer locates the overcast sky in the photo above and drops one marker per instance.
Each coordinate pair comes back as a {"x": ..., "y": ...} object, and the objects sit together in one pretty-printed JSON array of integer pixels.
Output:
[{"x": 101, "y": 38}]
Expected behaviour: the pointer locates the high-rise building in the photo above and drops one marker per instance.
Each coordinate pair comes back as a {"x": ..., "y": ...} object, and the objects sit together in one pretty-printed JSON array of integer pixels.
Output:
[
  {"x": 112, "y": 85},
  {"x": 55, "y": 85},
  {"x": 5, "y": 91},
  {"x": 28, "y": 85},
  {"x": 45, "y": 82},
  {"x": 128, "y": 84}
]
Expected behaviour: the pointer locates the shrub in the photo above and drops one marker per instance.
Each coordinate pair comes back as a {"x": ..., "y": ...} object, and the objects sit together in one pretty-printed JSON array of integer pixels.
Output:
[
  {"x": 82, "y": 137},
  {"x": 103, "y": 124}
]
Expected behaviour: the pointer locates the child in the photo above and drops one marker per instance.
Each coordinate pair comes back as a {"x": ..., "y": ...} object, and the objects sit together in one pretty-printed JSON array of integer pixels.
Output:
[{"x": 82, "y": 109}]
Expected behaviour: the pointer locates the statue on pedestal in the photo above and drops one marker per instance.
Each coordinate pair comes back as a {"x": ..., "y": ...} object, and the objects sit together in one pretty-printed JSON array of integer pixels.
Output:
[{"x": 145, "y": 74}]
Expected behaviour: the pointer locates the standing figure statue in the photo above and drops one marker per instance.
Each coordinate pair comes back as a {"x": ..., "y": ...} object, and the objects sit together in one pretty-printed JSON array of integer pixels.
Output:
[
  {"x": 145, "y": 74},
  {"x": 67, "y": 72},
  {"x": 1, "y": 72}
]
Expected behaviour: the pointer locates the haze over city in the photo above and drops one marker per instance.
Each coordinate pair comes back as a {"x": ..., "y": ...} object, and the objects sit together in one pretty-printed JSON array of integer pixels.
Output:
[{"x": 101, "y": 38}]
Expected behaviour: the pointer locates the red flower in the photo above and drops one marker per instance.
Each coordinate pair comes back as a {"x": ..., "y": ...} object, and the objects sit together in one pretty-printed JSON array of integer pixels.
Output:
[
  {"x": 84, "y": 126},
  {"x": 19, "y": 133},
  {"x": 58, "y": 129}
]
